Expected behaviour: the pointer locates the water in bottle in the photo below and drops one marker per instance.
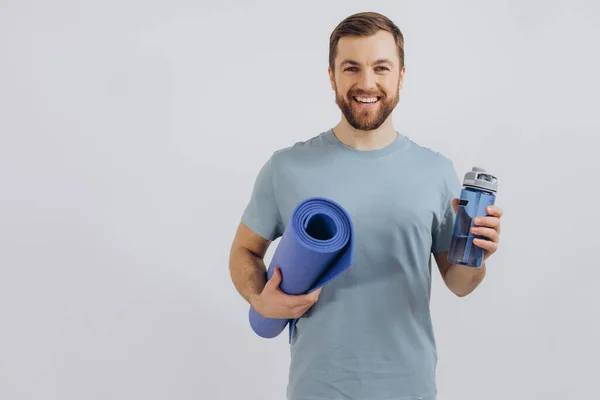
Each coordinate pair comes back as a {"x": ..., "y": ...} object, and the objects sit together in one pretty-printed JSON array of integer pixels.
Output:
[{"x": 478, "y": 192}]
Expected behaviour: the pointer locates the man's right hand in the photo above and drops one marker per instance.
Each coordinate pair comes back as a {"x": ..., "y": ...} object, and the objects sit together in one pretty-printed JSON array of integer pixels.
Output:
[{"x": 272, "y": 302}]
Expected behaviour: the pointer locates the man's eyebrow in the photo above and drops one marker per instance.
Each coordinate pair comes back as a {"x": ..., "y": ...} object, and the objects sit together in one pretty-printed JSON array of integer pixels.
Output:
[
  {"x": 383, "y": 61},
  {"x": 380, "y": 61},
  {"x": 351, "y": 62}
]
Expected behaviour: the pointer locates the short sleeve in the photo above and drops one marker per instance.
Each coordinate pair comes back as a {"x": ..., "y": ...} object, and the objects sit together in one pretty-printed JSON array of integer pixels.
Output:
[
  {"x": 452, "y": 186},
  {"x": 262, "y": 212}
]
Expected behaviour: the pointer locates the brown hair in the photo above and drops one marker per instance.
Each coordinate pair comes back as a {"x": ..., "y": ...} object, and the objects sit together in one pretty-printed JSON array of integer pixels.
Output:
[{"x": 364, "y": 24}]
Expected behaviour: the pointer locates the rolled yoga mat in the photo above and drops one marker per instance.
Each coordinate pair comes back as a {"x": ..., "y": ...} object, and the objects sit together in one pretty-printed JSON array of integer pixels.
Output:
[{"x": 316, "y": 247}]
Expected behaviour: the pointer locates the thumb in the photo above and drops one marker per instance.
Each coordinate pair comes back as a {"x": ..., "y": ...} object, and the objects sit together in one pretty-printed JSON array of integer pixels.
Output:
[
  {"x": 455, "y": 205},
  {"x": 276, "y": 278}
]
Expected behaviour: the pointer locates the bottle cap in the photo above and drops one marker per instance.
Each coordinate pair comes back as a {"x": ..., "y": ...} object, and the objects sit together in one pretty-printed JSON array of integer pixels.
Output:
[{"x": 480, "y": 179}]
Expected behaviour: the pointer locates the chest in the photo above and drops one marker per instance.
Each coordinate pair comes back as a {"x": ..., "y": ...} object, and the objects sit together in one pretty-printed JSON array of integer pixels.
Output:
[{"x": 382, "y": 201}]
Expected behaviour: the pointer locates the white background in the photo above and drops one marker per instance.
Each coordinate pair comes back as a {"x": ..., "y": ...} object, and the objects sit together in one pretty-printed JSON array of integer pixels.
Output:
[{"x": 131, "y": 134}]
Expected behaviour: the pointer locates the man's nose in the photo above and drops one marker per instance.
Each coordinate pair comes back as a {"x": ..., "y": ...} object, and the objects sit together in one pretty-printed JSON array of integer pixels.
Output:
[{"x": 367, "y": 81}]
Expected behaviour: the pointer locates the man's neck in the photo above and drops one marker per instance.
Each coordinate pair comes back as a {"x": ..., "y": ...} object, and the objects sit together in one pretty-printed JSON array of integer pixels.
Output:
[{"x": 365, "y": 140}]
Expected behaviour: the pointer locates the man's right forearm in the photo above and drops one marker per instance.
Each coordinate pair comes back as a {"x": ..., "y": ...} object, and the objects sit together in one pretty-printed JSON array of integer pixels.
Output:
[{"x": 248, "y": 273}]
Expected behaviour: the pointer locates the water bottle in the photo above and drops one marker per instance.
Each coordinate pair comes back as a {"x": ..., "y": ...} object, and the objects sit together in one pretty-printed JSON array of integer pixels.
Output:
[{"x": 478, "y": 192}]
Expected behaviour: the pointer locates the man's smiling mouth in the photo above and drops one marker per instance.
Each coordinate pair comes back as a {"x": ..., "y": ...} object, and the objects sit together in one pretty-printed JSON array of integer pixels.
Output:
[{"x": 366, "y": 100}]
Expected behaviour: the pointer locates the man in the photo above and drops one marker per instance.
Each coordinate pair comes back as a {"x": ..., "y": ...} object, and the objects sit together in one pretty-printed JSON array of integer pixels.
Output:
[{"x": 368, "y": 334}]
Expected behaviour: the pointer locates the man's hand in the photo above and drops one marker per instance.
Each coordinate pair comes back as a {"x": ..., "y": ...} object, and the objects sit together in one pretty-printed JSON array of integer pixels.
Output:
[
  {"x": 272, "y": 302},
  {"x": 488, "y": 226}
]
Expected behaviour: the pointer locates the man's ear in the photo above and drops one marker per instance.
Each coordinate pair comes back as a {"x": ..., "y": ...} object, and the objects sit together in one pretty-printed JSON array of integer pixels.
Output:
[
  {"x": 331, "y": 78},
  {"x": 401, "y": 83}
]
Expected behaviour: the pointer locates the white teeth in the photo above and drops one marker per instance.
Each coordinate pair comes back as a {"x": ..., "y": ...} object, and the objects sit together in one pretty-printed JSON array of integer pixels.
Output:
[{"x": 366, "y": 99}]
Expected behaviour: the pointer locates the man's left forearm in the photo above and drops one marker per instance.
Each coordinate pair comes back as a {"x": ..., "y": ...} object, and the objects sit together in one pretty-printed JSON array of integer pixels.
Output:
[{"x": 462, "y": 280}]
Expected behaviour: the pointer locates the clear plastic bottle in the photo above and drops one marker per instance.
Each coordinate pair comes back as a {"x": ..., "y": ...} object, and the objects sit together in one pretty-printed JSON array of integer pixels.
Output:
[{"x": 479, "y": 192}]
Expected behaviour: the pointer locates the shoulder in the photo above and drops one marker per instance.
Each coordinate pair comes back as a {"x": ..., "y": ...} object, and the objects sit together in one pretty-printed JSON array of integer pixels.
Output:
[
  {"x": 437, "y": 168},
  {"x": 433, "y": 158},
  {"x": 302, "y": 151}
]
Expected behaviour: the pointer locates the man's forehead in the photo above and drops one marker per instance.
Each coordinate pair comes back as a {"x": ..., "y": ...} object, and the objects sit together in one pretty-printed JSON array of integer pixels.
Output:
[{"x": 373, "y": 49}]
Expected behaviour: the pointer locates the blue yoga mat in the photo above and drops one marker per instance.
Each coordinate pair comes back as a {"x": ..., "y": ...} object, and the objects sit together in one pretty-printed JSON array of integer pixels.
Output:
[{"x": 316, "y": 247}]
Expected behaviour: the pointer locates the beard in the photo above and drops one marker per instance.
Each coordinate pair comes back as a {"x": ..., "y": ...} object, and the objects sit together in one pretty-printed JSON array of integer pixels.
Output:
[{"x": 371, "y": 118}]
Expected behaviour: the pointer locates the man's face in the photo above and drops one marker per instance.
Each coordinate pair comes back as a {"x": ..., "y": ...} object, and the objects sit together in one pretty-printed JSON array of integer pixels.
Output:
[{"x": 367, "y": 79}]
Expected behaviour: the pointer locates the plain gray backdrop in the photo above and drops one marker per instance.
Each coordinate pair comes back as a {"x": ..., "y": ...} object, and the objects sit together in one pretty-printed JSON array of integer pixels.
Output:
[{"x": 131, "y": 134}]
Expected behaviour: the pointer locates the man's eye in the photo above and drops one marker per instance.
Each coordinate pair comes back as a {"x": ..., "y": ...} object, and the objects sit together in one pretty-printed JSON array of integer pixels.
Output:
[{"x": 355, "y": 69}]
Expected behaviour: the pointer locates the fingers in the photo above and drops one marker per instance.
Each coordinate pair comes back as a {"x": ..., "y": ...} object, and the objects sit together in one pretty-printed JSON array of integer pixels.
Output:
[
  {"x": 299, "y": 304},
  {"x": 309, "y": 298},
  {"x": 490, "y": 222},
  {"x": 295, "y": 305},
  {"x": 494, "y": 211},
  {"x": 313, "y": 296},
  {"x": 300, "y": 311},
  {"x": 489, "y": 233},
  {"x": 486, "y": 244},
  {"x": 305, "y": 299},
  {"x": 489, "y": 228}
]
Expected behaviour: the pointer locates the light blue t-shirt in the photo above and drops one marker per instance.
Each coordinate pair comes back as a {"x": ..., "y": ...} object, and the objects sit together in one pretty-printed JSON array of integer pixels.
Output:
[{"x": 370, "y": 335}]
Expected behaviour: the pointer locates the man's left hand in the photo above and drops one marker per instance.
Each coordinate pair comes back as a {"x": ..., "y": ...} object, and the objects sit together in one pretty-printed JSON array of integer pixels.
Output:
[{"x": 488, "y": 227}]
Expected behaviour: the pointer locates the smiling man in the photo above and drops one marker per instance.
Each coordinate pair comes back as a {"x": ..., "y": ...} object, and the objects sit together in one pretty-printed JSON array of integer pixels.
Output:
[
  {"x": 366, "y": 99},
  {"x": 367, "y": 335}
]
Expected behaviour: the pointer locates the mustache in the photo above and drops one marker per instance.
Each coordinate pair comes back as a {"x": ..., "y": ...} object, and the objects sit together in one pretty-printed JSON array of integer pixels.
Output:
[{"x": 365, "y": 94}]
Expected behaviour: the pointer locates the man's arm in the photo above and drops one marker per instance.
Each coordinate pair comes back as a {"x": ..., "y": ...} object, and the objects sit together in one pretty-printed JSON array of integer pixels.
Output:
[
  {"x": 461, "y": 280},
  {"x": 249, "y": 276},
  {"x": 246, "y": 265}
]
